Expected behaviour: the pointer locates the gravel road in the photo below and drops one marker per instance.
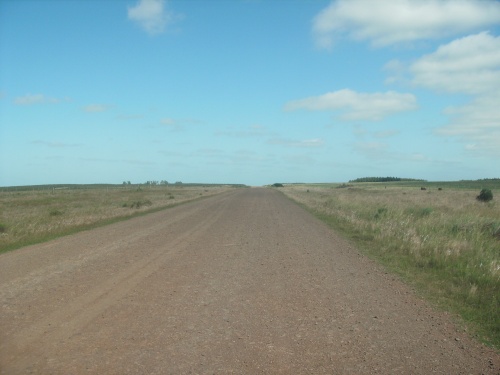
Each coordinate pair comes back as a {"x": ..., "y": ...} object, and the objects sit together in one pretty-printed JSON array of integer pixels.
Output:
[{"x": 245, "y": 282}]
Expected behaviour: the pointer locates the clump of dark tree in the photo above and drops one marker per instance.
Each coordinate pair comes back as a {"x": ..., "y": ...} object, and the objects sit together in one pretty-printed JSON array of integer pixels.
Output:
[{"x": 383, "y": 179}]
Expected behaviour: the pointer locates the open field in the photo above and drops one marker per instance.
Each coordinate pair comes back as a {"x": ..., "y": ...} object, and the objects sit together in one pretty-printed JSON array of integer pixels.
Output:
[
  {"x": 33, "y": 214},
  {"x": 443, "y": 241},
  {"x": 244, "y": 282}
]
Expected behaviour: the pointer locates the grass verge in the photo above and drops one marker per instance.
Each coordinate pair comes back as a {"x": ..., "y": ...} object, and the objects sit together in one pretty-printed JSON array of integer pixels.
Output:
[{"x": 444, "y": 242}]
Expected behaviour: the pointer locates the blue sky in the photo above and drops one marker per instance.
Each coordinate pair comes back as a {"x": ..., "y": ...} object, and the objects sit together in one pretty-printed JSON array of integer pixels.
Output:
[{"x": 251, "y": 92}]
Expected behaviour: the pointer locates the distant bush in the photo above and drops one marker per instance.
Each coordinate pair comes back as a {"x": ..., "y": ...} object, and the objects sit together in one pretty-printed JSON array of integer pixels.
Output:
[
  {"x": 55, "y": 213},
  {"x": 3, "y": 228},
  {"x": 485, "y": 195},
  {"x": 138, "y": 204},
  {"x": 278, "y": 185}
]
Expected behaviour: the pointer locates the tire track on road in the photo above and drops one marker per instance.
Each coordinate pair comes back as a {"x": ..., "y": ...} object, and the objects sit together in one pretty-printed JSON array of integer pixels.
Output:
[{"x": 80, "y": 311}]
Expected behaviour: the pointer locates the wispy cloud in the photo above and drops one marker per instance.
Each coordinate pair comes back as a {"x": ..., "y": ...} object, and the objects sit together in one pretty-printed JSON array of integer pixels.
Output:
[
  {"x": 361, "y": 132},
  {"x": 176, "y": 125},
  {"x": 31, "y": 99},
  {"x": 306, "y": 143},
  {"x": 172, "y": 124},
  {"x": 129, "y": 117},
  {"x": 124, "y": 161},
  {"x": 168, "y": 121},
  {"x": 56, "y": 144},
  {"x": 244, "y": 132},
  {"x": 389, "y": 22},
  {"x": 381, "y": 151},
  {"x": 357, "y": 106},
  {"x": 471, "y": 66},
  {"x": 476, "y": 124},
  {"x": 397, "y": 71},
  {"x": 372, "y": 150},
  {"x": 152, "y": 16},
  {"x": 94, "y": 108},
  {"x": 386, "y": 133}
]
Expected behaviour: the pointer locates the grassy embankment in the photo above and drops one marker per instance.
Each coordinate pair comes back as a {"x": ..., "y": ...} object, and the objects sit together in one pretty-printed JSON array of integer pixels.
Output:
[
  {"x": 444, "y": 242},
  {"x": 34, "y": 214}
]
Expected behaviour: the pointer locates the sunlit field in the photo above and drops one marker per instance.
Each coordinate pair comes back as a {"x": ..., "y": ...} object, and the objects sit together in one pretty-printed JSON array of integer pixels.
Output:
[
  {"x": 441, "y": 239},
  {"x": 29, "y": 215}
]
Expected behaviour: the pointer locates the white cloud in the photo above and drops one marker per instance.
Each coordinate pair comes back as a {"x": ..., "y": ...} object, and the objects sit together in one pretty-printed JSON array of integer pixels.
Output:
[
  {"x": 387, "y": 22},
  {"x": 93, "y": 108},
  {"x": 477, "y": 124},
  {"x": 151, "y": 15},
  {"x": 469, "y": 65},
  {"x": 357, "y": 106},
  {"x": 31, "y": 99}
]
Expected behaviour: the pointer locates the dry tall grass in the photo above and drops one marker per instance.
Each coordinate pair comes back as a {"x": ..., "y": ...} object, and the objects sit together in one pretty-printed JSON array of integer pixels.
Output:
[{"x": 446, "y": 242}]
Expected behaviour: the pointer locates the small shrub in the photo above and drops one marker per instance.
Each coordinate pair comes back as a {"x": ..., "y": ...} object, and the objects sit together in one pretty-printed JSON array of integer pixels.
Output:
[
  {"x": 485, "y": 195},
  {"x": 139, "y": 204},
  {"x": 419, "y": 212},
  {"x": 492, "y": 228},
  {"x": 380, "y": 212},
  {"x": 278, "y": 185},
  {"x": 3, "y": 228},
  {"x": 55, "y": 213}
]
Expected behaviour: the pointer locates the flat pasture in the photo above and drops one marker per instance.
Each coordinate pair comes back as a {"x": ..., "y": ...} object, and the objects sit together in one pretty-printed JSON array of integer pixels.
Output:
[
  {"x": 442, "y": 239},
  {"x": 34, "y": 214}
]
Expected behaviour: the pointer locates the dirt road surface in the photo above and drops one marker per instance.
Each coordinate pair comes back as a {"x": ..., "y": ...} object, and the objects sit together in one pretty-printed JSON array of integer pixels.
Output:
[{"x": 245, "y": 282}]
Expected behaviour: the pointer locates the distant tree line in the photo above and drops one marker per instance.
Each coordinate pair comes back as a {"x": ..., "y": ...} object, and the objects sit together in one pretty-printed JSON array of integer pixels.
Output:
[
  {"x": 152, "y": 183},
  {"x": 383, "y": 179}
]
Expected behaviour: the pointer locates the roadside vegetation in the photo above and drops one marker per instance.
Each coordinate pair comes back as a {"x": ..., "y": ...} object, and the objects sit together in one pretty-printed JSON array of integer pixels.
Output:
[
  {"x": 37, "y": 213},
  {"x": 440, "y": 237}
]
